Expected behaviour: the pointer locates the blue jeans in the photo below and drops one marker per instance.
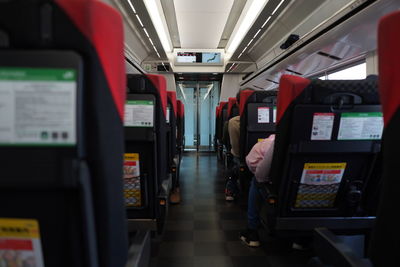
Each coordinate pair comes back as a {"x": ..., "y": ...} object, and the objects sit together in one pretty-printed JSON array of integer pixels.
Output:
[{"x": 253, "y": 208}]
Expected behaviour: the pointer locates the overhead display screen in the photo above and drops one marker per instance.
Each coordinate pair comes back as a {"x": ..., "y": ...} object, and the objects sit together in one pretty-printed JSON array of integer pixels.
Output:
[{"x": 206, "y": 58}]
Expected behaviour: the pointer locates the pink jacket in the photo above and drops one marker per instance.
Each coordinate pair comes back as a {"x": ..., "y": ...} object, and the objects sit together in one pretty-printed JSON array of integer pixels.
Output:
[{"x": 260, "y": 157}]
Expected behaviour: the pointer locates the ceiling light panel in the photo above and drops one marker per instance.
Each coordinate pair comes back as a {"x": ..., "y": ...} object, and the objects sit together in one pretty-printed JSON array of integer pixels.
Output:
[
  {"x": 247, "y": 21},
  {"x": 145, "y": 31},
  {"x": 130, "y": 4},
  {"x": 140, "y": 21},
  {"x": 275, "y": 6},
  {"x": 156, "y": 18}
]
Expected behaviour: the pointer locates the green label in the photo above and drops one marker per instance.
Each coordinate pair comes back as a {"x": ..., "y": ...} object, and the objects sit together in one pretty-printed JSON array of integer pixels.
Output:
[
  {"x": 37, "y": 74},
  {"x": 361, "y": 126},
  {"x": 139, "y": 102},
  {"x": 362, "y": 114}
]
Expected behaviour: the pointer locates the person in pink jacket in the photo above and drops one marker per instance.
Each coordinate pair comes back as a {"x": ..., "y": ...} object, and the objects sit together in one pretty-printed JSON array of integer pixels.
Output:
[{"x": 259, "y": 163}]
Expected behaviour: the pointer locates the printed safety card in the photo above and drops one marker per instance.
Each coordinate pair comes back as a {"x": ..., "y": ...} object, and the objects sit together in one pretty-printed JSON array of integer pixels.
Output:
[
  {"x": 263, "y": 114},
  {"x": 361, "y": 126},
  {"x": 322, "y": 126},
  {"x": 139, "y": 113},
  {"x": 20, "y": 243},
  {"x": 38, "y": 106},
  {"x": 132, "y": 186}
]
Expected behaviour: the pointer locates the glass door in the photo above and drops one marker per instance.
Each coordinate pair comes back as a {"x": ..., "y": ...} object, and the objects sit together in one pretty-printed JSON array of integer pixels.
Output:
[{"x": 200, "y": 100}]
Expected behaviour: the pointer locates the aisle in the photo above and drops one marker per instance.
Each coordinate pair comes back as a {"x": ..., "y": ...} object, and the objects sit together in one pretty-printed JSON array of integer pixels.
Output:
[{"x": 203, "y": 231}]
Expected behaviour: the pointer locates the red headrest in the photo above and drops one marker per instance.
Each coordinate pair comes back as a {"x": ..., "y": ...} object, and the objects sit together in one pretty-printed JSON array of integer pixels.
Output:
[
  {"x": 160, "y": 83},
  {"x": 172, "y": 97},
  {"x": 231, "y": 103},
  {"x": 181, "y": 109},
  {"x": 244, "y": 95},
  {"x": 98, "y": 21},
  {"x": 216, "y": 111},
  {"x": 389, "y": 64},
  {"x": 221, "y": 106},
  {"x": 290, "y": 87}
]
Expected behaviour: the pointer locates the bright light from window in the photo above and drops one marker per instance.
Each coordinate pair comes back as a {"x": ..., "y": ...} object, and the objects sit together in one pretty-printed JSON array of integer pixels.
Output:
[{"x": 353, "y": 73}]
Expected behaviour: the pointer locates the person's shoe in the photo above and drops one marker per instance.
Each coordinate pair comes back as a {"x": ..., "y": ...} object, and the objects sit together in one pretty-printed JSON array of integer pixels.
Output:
[
  {"x": 251, "y": 238},
  {"x": 230, "y": 190},
  {"x": 175, "y": 197},
  {"x": 229, "y": 195}
]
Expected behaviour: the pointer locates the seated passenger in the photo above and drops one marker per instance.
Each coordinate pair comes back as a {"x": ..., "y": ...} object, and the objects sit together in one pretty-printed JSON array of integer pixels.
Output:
[{"x": 259, "y": 162}]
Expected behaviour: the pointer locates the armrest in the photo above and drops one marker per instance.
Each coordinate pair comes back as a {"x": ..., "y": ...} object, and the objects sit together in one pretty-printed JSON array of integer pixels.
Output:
[{"x": 332, "y": 251}]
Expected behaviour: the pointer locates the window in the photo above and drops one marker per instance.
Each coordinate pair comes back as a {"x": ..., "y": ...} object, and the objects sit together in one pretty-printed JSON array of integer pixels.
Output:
[{"x": 353, "y": 73}]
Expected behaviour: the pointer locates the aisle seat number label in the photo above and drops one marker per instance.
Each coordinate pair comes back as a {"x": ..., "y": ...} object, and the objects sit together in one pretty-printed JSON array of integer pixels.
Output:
[
  {"x": 322, "y": 126},
  {"x": 139, "y": 113},
  {"x": 263, "y": 115},
  {"x": 168, "y": 114}
]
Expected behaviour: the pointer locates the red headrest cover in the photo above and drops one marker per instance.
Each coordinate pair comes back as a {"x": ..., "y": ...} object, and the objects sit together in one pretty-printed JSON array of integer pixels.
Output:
[
  {"x": 244, "y": 95},
  {"x": 389, "y": 64},
  {"x": 161, "y": 84},
  {"x": 290, "y": 87},
  {"x": 97, "y": 21},
  {"x": 221, "y": 107},
  {"x": 172, "y": 97},
  {"x": 231, "y": 103},
  {"x": 181, "y": 109}
]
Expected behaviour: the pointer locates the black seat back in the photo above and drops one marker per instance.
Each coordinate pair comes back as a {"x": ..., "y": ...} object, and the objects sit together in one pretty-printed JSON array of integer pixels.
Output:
[
  {"x": 327, "y": 140},
  {"x": 147, "y": 138},
  {"x": 69, "y": 187},
  {"x": 257, "y": 118}
]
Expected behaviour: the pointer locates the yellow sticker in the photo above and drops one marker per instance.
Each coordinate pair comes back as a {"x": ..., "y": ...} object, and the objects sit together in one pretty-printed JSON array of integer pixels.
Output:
[
  {"x": 325, "y": 166},
  {"x": 260, "y": 140},
  {"x": 132, "y": 184},
  {"x": 20, "y": 243},
  {"x": 323, "y": 173},
  {"x": 131, "y": 156},
  {"x": 21, "y": 228}
]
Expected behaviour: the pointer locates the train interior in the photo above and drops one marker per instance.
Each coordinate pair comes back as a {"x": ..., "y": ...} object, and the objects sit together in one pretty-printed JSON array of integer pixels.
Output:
[{"x": 199, "y": 133}]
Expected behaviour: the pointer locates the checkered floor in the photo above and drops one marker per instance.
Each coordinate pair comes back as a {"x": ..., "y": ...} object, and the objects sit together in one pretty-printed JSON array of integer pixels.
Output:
[{"x": 204, "y": 229}]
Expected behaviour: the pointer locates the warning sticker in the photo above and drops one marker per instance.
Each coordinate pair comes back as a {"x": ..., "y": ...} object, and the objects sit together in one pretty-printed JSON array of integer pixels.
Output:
[
  {"x": 168, "y": 114},
  {"x": 322, "y": 173},
  {"x": 139, "y": 113},
  {"x": 361, "y": 126},
  {"x": 38, "y": 106},
  {"x": 319, "y": 184},
  {"x": 132, "y": 186},
  {"x": 263, "y": 114},
  {"x": 322, "y": 126},
  {"x": 274, "y": 115},
  {"x": 20, "y": 243}
]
